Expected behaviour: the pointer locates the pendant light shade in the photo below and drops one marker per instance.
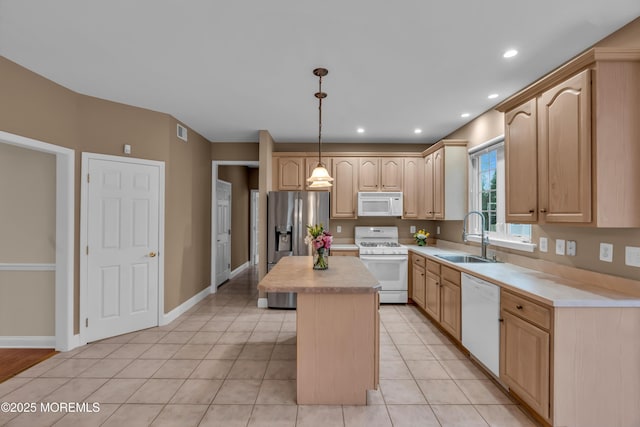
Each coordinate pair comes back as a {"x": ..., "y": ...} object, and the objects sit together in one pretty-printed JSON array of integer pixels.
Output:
[{"x": 320, "y": 177}]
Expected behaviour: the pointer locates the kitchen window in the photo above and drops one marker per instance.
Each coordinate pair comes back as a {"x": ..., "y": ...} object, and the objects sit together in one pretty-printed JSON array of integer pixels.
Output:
[{"x": 487, "y": 195}]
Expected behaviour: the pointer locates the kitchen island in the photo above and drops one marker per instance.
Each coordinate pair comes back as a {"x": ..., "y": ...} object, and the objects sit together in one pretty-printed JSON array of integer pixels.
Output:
[{"x": 337, "y": 328}]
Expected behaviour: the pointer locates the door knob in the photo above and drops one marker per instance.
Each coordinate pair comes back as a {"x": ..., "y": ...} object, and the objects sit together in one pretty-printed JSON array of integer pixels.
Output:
[{"x": 152, "y": 254}]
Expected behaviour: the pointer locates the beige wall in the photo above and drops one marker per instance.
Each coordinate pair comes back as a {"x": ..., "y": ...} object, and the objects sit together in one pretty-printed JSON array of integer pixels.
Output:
[
  {"x": 238, "y": 176},
  {"x": 35, "y": 107},
  {"x": 28, "y": 230},
  {"x": 235, "y": 151},
  {"x": 28, "y": 205},
  {"x": 588, "y": 239},
  {"x": 27, "y": 303},
  {"x": 254, "y": 178}
]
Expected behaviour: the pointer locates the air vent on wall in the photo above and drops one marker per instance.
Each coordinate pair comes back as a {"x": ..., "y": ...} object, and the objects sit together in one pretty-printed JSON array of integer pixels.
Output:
[{"x": 182, "y": 132}]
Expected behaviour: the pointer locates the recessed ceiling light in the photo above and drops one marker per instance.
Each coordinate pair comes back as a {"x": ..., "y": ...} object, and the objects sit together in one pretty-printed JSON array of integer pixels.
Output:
[
  {"x": 493, "y": 96},
  {"x": 417, "y": 131},
  {"x": 510, "y": 53},
  {"x": 360, "y": 130},
  {"x": 465, "y": 115}
]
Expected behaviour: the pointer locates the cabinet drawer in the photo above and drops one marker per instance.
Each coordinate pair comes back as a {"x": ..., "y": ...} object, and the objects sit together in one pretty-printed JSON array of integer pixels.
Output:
[
  {"x": 433, "y": 267},
  {"x": 449, "y": 274},
  {"x": 418, "y": 260},
  {"x": 528, "y": 310}
]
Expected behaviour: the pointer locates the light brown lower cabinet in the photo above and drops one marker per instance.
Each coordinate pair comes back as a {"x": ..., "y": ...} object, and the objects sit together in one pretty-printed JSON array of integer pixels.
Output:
[
  {"x": 572, "y": 366},
  {"x": 436, "y": 289},
  {"x": 524, "y": 361},
  {"x": 450, "y": 298},
  {"x": 419, "y": 280}
]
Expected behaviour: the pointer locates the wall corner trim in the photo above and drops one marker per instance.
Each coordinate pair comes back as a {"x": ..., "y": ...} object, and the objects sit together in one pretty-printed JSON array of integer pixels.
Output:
[{"x": 182, "y": 308}]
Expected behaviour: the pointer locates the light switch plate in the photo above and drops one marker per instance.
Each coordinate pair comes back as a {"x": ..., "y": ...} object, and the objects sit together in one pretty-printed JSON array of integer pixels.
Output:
[
  {"x": 632, "y": 256},
  {"x": 544, "y": 244},
  {"x": 571, "y": 247},
  {"x": 438, "y": 229},
  {"x": 127, "y": 149},
  {"x": 560, "y": 243},
  {"x": 412, "y": 229},
  {"x": 606, "y": 252}
]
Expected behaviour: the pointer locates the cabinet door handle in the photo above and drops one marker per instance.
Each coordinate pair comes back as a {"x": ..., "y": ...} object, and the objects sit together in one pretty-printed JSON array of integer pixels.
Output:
[
  {"x": 501, "y": 320},
  {"x": 532, "y": 210},
  {"x": 519, "y": 307},
  {"x": 543, "y": 210}
]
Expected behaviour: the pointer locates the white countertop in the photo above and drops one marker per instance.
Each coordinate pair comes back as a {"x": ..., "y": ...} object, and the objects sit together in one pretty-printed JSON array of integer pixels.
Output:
[{"x": 543, "y": 287}]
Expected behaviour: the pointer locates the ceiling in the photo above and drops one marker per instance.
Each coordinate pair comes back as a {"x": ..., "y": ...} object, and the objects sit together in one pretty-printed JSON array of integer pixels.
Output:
[{"x": 230, "y": 68}]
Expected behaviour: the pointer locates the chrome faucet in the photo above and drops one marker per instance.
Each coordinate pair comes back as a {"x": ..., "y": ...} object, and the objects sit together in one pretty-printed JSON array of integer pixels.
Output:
[{"x": 484, "y": 239}]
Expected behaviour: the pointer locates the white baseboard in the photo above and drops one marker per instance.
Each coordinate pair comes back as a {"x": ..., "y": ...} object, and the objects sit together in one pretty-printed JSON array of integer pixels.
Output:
[
  {"x": 182, "y": 308},
  {"x": 262, "y": 303},
  {"x": 28, "y": 342},
  {"x": 239, "y": 269}
]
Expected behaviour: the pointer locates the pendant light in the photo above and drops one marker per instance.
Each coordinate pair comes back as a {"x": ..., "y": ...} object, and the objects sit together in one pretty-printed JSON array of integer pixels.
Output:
[{"x": 320, "y": 177}]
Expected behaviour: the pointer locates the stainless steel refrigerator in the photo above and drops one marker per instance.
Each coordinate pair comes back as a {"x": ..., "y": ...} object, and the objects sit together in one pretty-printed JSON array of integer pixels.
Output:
[{"x": 289, "y": 213}]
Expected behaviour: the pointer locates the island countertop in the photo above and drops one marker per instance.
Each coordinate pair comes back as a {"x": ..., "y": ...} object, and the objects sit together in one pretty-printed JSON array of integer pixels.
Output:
[{"x": 295, "y": 274}]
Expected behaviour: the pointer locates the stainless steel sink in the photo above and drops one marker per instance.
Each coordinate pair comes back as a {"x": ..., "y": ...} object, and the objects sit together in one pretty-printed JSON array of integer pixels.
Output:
[{"x": 460, "y": 259}]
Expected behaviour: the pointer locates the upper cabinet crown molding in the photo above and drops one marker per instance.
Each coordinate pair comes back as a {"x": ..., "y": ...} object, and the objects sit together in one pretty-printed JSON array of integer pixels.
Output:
[{"x": 574, "y": 66}]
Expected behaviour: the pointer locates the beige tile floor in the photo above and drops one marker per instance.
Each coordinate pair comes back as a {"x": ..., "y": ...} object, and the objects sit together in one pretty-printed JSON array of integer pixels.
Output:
[{"x": 228, "y": 363}]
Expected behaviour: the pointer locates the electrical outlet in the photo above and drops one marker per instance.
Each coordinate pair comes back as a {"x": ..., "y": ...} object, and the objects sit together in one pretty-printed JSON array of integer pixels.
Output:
[
  {"x": 339, "y": 229},
  {"x": 632, "y": 256},
  {"x": 571, "y": 247},
  {"x": 412, "y": 229},
  {"x": 606, "y": 252},
  {"x": 544, "y": 244},
  {"x": 560, "y": 247},
  {"x": 127, "y": 149},
  {"x": 438, "y": 229}
]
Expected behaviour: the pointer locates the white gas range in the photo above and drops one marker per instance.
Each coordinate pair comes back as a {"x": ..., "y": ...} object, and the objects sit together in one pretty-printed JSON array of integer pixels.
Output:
[{"x": 386, "y": 259}]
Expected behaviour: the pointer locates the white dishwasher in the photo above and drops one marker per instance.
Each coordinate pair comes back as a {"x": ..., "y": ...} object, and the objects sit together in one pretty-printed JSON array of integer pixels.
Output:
[{"x": 481, "y": 321}]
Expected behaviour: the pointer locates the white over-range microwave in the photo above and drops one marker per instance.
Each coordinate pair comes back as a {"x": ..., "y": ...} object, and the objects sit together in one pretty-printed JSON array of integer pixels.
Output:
[{"x": 379, "y": 204}]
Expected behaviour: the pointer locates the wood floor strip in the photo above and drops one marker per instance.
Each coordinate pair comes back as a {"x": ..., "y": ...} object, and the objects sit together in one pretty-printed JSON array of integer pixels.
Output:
[{"x": 15, "y": 360}]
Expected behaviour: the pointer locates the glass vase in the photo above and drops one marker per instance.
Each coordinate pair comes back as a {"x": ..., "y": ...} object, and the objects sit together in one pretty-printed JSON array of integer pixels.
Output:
[{"x": 320, "y": 259}]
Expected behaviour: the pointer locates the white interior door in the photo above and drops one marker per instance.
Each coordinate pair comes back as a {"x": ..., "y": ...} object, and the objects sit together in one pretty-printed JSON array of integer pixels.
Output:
[
  {"x": 254, "y": 226},
  {"x": 223, "y": 231},
  {"x": 123, "y": 212}
]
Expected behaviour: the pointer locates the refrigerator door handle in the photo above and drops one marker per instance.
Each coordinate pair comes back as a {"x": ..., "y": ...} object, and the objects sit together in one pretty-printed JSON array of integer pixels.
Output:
[{"x": 300, "y": 237}]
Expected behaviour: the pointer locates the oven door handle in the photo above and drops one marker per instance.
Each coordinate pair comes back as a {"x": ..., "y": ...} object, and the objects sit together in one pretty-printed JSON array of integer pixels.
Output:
[{"x": 384, "y": 257}]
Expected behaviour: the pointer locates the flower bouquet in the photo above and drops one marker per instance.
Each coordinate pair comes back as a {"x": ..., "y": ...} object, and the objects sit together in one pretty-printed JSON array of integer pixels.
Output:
[
  {"x": 321, "y": 241},
  {"x": 421, "y": 237}
]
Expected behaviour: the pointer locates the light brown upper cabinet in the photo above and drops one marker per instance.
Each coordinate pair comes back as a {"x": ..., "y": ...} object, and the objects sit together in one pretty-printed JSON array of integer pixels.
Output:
[
  {"x": 380, "y": 174},
  {"x": 564, "y": 143},
  {"x": 290, "y": 174},
  {"x": 344, "y": 171},
  {"x": 586, "y": 136},
  {"x": 369, "y": 174},
  {"x": 310, "y": 165},
  {"x": 391, "y": 173},
  {"x": 412, "y": 187},
  {"x": 445, "y": 181},
  {"x": 521, "y": 163}
]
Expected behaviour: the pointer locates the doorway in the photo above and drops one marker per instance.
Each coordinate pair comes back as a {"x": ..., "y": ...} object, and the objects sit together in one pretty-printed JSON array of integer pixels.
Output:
[
  {"x": 214, "y": 219},
  {"x": 64, "y": 237},
  {"x": 223, "y": 231},
  {"x": 122, "y": 229}
]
